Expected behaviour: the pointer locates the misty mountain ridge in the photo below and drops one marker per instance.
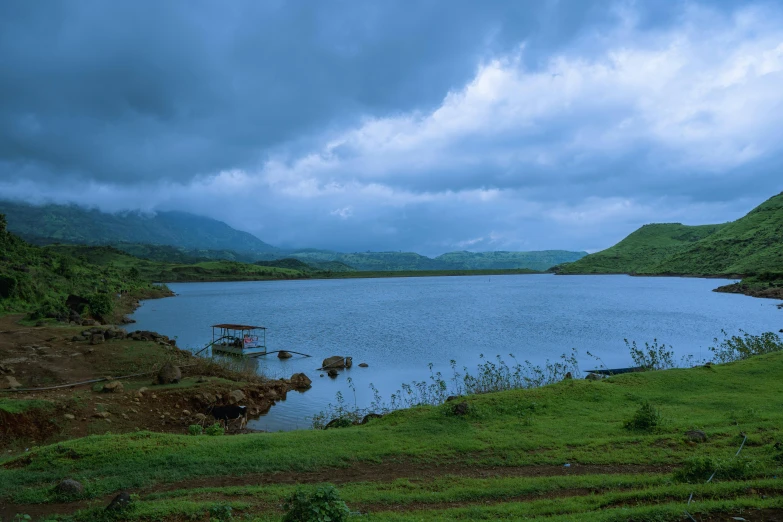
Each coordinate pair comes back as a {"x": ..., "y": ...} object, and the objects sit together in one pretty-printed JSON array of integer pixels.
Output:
[{"x": 183, "y": 237}]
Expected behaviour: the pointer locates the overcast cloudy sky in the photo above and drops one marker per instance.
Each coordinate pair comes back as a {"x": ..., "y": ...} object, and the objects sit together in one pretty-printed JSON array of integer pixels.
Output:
[{"x": 398, "y": 125}]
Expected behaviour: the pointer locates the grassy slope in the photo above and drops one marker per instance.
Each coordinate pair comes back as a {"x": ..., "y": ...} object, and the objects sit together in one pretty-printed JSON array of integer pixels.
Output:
[
  {"x": 642, "y": 251},
  {"x": 751, "y": 245},
  {"x": 576, "y": 422}
]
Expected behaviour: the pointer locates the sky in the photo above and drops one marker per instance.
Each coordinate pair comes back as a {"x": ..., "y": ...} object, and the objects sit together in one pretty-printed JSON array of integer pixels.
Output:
[{"x": 415, "y": 125}]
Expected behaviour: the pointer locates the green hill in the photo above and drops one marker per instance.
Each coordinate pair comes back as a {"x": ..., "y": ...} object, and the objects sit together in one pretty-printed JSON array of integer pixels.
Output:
[
  {"x": 751, "y": 245},
  {"x": 538, "y": 260},
  {"x": 75, "y": 224}
]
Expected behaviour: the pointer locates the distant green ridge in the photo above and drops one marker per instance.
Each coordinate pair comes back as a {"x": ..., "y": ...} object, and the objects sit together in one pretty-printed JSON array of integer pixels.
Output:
[
  {"x": 750, "y": 245},
  {"x": 74, "y": 224}
]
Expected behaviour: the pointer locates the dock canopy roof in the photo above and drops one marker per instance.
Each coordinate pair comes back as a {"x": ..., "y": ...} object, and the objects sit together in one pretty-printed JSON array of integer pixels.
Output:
[{"x": 238, "y": 327}]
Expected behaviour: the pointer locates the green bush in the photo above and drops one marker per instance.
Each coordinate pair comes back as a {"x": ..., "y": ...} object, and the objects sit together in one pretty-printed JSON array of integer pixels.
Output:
[
  {"x": 697, "y": 470},
  {"x": 195, "y": 429},
  {"x": 100, "y": 305},
  {"x": 221, "y": 513},
  {"x": 215, "y": 430},
  {"x": 646, "y": 418},
  {"x": 738, "y": 347},
  {"x": 323, "y": 505}
]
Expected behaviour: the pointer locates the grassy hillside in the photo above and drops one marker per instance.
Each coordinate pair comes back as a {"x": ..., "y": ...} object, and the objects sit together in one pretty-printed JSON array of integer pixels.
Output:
[
  {"x": 38, "y": 280},
  {"x": 539, "y": 260},
  {"x": 404, "y": 261},
  {"x": 74, "y": 224},
  {"x": 752, "y": 245},
  {"x": 642, "y": 251},
  {"x": 557, "y": 453}
]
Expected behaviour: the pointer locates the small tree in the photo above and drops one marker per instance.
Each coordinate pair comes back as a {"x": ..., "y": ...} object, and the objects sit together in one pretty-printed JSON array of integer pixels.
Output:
[{"x": 321, "y": 506}]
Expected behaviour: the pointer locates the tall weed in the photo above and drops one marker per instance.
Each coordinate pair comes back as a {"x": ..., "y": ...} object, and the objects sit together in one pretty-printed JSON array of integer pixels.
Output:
[{"x": 738, "y": 347}]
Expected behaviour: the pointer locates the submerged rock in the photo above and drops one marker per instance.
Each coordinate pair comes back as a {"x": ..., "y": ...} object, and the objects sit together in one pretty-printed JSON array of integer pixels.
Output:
[{"x": 282, "y": 354}]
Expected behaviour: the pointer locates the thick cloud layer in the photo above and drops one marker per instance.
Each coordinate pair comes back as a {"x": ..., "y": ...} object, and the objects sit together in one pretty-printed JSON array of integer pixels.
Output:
[{"x": 427, "y": 126}]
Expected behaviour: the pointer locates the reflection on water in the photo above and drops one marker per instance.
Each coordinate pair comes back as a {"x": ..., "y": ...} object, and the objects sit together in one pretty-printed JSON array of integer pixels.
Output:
[{"x": 399, "y": 325}]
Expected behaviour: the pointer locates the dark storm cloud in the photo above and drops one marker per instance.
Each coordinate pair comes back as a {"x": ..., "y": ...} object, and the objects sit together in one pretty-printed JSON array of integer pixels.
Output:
[{"x": 426, "y": 125}]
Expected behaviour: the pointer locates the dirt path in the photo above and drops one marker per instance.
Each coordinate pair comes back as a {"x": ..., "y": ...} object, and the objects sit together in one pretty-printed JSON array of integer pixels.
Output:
[{"x": 384, "y": 472}]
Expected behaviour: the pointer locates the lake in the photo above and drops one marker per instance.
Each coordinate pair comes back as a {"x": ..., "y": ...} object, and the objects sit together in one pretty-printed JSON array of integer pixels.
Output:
[{"x": 400, "y": 325}]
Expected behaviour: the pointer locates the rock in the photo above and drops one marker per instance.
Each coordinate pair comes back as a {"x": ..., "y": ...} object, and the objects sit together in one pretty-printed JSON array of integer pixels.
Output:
[
  {"x": 169, "y": 374},
  {"x": 363, "y": 365},
  {"x": 69, "y": 487},
  {"x": 10, "y": 382},
  {"x": 186, "y": 413},
  {"x": 452, "y": 398},
  {"x": 6, "y": 369},
  {"x": 69, "y": 416},
  {"x": 199, "y": 416},
  {"x": 120, "y": 502},
  {"x": 461, "y": 408},
  {"x": 284, "y": 355},
  {"x": 300, "y": 381},
  {"x": 96, "y": 338},
  {"x": 594, "y": 377},
  {"x": 101, "y": 414},
  {"x": 696, "y": 435},
  {"x": 113, "y": 387},
  {"x": 332, "y": 373},
  {"x": 336, "y": 361},
  {"x": 90, "y": 322},
  {"x": 236, "y": 396},
  {"x": 77, "y": 338},
  {"x": 348, "y": 362},
  {"x": 370, "y": 416},
  {"x": 141, "y": 391},
  {"x": 338, "y": 423},
  {"x": 201, "y": 379},
  {"x": 568, "y": 376}
]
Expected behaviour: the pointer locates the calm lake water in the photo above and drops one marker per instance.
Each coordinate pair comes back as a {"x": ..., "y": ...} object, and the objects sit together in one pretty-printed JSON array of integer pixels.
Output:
[{"x": 400, "y": 325}]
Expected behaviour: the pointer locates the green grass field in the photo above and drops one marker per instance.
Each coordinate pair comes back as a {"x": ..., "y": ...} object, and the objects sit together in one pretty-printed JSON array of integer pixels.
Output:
[{"x": 559, "y": 452}]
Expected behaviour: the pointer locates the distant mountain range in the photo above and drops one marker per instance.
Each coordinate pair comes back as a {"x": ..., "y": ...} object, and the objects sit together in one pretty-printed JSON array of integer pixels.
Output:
[
  {"x": 74, "y": 224},
  {"x": 187, "y": 238},
  {"x": 751, "y": 245}
]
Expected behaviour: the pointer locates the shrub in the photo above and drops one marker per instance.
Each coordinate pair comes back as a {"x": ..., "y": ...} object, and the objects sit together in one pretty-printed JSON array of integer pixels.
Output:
[
  {"x": 221, "y": 513},
  {"x": 653, "y": 357},
  {"x": 697, "y": 470},
  {"x": 101, "y": 305},
  {"x": 321, "y": 506},
  {"x": 215, "y": 430},
  {"x": 646, "y": 418},
  {"x": 195, "y": 429},
  {"x": 738, "y": 347}
]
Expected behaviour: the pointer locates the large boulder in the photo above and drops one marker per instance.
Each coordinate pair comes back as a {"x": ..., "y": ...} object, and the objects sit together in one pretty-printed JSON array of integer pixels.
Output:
[
  {"x": 300, "y": 381},
  {"x": 335, "y": 361},
  {"x": 120, "y": 502},
  {"x": 69, "y": 488},
  {"x": 236, "y": 396},
  {"x": 9, "y": 382},
  {"x": 169, "y": 374},
  {"x": 97, "y": 338},
  {"x": 113, "y": 387}
]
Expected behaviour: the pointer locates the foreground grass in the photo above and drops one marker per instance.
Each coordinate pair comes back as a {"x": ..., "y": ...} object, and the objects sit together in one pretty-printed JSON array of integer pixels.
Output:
[{"x": 578, "y": 423}]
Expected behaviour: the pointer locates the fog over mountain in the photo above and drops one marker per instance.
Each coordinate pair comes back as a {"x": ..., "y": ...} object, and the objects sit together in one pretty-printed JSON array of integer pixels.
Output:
[{"x": 427, "y": 126}]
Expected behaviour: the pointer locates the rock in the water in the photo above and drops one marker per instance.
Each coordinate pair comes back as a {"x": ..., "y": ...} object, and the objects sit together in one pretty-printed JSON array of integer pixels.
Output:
[
  {"x": 169, "y": 374},
  {"x": 120, "y": 502},
  {"x": 282, "y": 354},
  {"x": 696, "y": 435},
  {"x": 236, "y": 396},
  {"x": 97, "y": 338},
  {"x": 363, "y": 365},
  {"x": 348, "y": 362},
  {"x": 69, "y": 487},
  {"x": 594, "y": 377},
  {"x": 300, "y": 381},
  {"x": 10, "y": 381},
  {"x": 336, "y": 361},
  {"x": 332, "y": 373},
  {"x": 113, "y": 387},
  {"x": 370, "y": 416}
]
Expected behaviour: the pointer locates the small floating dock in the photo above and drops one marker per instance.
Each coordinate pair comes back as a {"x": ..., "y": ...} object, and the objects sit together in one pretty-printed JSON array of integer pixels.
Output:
[{"x": 239, "y": 339}]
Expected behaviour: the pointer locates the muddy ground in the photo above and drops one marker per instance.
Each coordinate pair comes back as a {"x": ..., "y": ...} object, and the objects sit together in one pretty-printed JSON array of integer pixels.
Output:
[{"x": 48, "y": 356}]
